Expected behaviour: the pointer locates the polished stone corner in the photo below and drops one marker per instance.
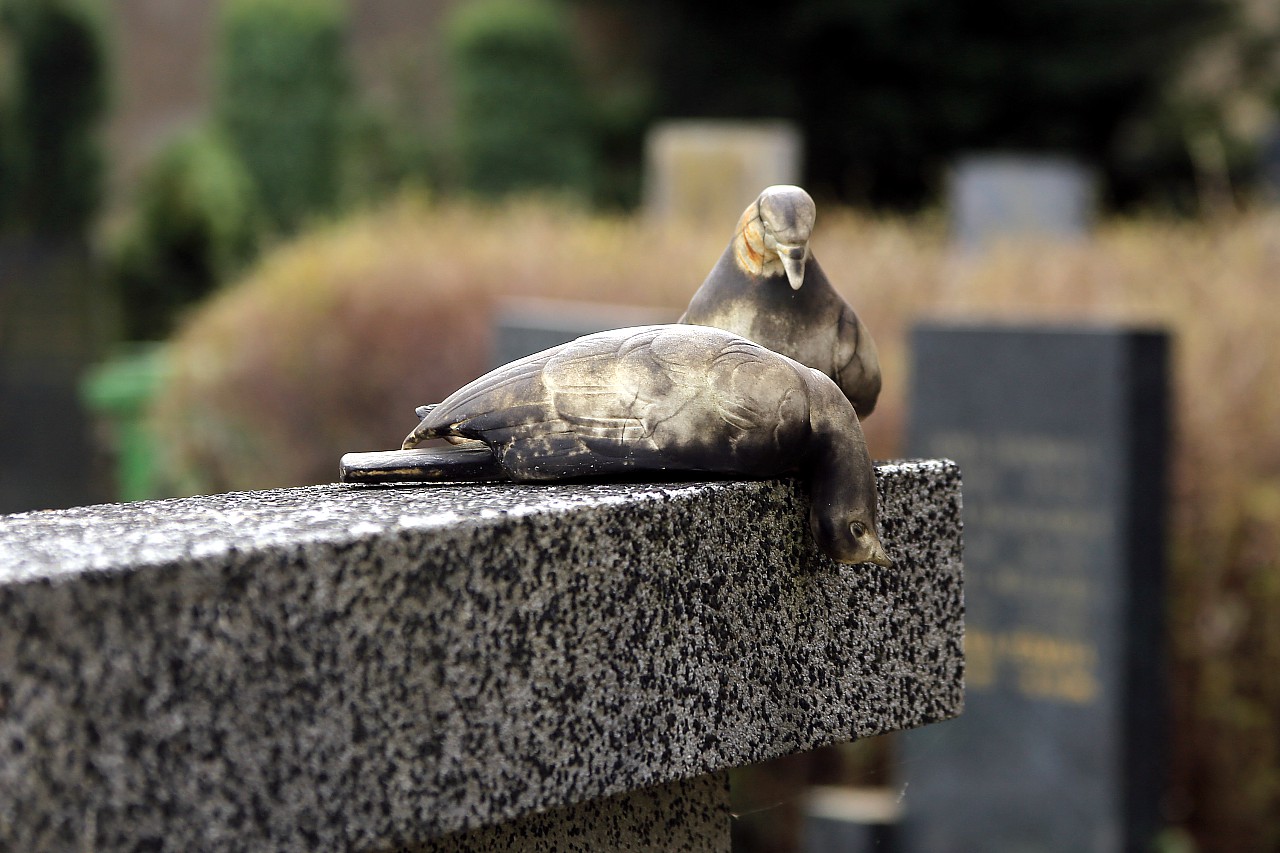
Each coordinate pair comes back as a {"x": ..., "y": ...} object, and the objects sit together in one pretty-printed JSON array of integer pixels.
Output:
[{"x": 365, "y": 668}]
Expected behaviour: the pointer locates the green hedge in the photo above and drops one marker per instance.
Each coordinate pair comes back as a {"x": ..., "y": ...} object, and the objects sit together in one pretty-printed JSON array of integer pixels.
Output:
[
  {"x": 53, "y": 92},
  {"x": 523, "y": 120},
  {"x": 196, "y": 221},
  {"x": 281, "y": 97}
]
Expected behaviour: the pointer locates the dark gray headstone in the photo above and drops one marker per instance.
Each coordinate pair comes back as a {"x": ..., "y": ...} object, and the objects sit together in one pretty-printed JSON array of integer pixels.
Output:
[
  {"x": 1001, "y": 196},
  {"x": 1061, "y": 436},
  {"x": 526, "y": 326},
  {"x": 1269, "y": 164},
  {"x": 50, "y": 331}
]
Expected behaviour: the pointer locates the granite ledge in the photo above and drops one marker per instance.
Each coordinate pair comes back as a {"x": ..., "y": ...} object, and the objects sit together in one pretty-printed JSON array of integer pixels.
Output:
[{"x": 361, "y": 668}]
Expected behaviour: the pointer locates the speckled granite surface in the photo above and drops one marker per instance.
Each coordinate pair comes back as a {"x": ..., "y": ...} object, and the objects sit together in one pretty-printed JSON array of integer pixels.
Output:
[
  {"x": 351, "y": 668},
  {"x": 686, "y": 816}
]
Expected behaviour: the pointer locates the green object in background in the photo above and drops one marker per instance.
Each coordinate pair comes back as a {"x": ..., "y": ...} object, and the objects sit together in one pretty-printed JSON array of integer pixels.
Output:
[
  {"x": 196, "y": 223},
  {"x": 53, "y": 93},
  {"x": 523, "y": 120},
  {"x": 119, "y": 392},
  {"x": 282, "y": 98}
]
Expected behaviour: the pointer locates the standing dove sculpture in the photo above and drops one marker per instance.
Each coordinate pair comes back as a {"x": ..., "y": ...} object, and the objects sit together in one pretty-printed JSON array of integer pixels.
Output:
[
  {"x": 768, "y": 287},
  {"x": 666, "y": 398}
]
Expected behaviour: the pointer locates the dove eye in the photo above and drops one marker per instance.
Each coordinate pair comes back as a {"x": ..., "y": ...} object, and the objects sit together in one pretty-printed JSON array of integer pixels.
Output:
[{"x": 857, "y": 529}]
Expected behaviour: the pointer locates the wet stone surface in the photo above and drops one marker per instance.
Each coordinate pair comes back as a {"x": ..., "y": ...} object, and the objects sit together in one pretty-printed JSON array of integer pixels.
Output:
[{"x": 344, "y": 667}]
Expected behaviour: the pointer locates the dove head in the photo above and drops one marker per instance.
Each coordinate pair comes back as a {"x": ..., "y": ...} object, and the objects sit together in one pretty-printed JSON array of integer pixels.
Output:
[
  {"x": 843, "y": 515},
  {"x": 850, "y": 538},
  {"x": 774, "y": 233}
]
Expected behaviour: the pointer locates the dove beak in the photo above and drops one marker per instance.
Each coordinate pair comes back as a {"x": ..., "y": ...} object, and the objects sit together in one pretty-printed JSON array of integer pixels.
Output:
[
  {"x": 793, "y": 258},
  {"x": 880, "y": 558}
]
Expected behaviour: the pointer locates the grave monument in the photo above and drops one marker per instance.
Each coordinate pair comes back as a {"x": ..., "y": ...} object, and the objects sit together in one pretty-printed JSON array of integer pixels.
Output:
[{"x": 1061, "y": 435}]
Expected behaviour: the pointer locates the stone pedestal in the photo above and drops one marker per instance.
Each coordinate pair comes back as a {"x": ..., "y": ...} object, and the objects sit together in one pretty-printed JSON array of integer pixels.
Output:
[{"x": 357, "y": 668}]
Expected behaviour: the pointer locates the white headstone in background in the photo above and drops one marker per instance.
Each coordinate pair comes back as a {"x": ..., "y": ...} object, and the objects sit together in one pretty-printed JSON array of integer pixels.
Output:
[
  {"x": 999, "y": 196},
  {"x": 707, "y": 171}
]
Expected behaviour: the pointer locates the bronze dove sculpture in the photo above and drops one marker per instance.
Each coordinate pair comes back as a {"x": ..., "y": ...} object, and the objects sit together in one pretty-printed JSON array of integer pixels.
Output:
[
  {"x": 673, "y": 398},
  {"x": 768, "y": 287}
]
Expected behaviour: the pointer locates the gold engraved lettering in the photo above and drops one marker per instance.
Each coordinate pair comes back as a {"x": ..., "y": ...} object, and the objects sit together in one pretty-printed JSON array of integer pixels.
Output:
[
  {"x": 979, "y": 659},
  {"x": 1037, "y": 532},
  {"x": 1037, "y": 665}
]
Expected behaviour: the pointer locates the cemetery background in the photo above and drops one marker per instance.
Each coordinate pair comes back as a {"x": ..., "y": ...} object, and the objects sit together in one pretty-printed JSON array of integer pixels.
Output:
[{"x": 394, "y": 268}]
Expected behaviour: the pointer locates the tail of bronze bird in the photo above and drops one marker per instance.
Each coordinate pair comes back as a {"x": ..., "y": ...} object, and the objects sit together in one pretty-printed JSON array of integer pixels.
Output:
[
  {"x": 427, "y": 428},
  {"x": 466, "y": 464},
  {"x": 466, "y": 461}
]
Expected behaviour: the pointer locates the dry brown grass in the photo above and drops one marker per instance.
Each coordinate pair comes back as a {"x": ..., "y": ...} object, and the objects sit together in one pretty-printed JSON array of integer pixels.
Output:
[{"x": 329, "y": 344}]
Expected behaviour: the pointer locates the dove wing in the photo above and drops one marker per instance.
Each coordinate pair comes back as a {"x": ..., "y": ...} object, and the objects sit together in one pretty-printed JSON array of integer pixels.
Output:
[
  {"x": 647, "y": 398},
  {"x": 659, "y": 397},
  {"x": 613, "y": 390},
  {"x": 504, "y": 398},
  {"x": 857, "y": 363}
]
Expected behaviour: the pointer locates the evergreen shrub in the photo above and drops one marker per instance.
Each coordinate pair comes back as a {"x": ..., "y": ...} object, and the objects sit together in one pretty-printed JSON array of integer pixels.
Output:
[
  {"x": 523, "y": 118},
  {"x": 53, "y": 91},
  {"x": 195, "y": 223},
  {"x": 281, "y": 97}
]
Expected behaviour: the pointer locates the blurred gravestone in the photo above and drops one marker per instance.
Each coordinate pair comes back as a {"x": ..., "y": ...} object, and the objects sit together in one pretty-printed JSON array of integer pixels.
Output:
[
  {"x": 851, "y": 820},
  {"x": 997, "y": 196},
  {"x": 50, "y": 331},
  {"x": 1061, "y": 436},
  {"x": 1269, "y": 164},
  {"x": 526, "y": 326},
  {"x": 707, "y": 172}
]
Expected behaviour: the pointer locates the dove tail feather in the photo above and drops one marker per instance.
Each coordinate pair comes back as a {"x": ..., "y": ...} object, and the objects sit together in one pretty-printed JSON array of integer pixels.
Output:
[
  {"x": 425, "y": 465},
  {"x": 479, "y": 396}
]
